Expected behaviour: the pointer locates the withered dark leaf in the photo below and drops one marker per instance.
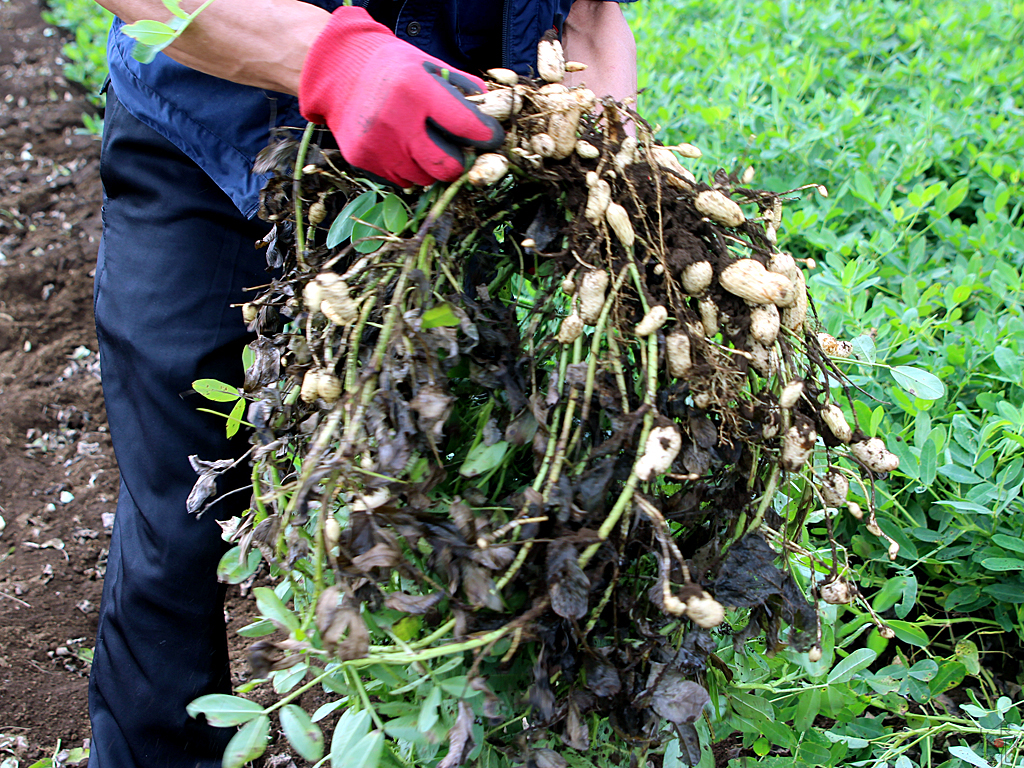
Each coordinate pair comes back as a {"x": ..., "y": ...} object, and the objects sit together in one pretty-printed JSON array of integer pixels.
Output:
[
  {"x": 310, "y": 484},
  {"x": 696, "y": 460},
  {"x": 521, "y": 429},
  {"x": 576, "y": 375},
  {"x": 479, "y": 587},
  {"x": 266, "y": 656},
  {"x": 568, "y": 585},
  {"x": 266, "y": 365},
  {"x": 693, "y": 653},
  {"x": 492, "y": 704},
  {"x": 433, "y": 406},
  {"x": 484, "y": 374},
  {"x": 592, "y": 490},
  {"x": 336, "y": 617},
  {"x": 602, "y": 678},
  {"x": 415, "y": 604},
  {"x": 490, "y": 433},
  {"x": 284, "y": 236},
  {"x": 798, "y": 614},
  {"x": 494, "y": 558},
  {"x": 259, "y": 414},
  {"x": 703, "y": 430},
  {"x": 548, "y": 758},
  {"x": 673, "y": 697},
  {"x": 380, "y": 555},
  {"x": 689, "y": 743},
  {"x": 298, "y": 548},
  {"x": 748, "y": 575},
  {"x": 262, "y": 655},
  {"x": 554, "y": 390},
  {"x": 276, "y": 156},
  {"x": 459, "y": 737},
  {"x": 546, "y": 224},
  {"x": 462, "y": 515},
  {"x": 541, "y": 698},
  {"x": 576, "y": 733},
  {"x": 443, "y": 228},
  {"x": 206, "y": 485}
]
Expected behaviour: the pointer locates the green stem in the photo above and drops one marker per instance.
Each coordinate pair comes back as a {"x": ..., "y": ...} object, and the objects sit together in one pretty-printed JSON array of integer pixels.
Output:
[
  {"x": 538, "y": 483},
  {"x": 620, "y": 503},
  {"x": 762, "y": 508},
  {"x": 433, "y": 653},
  {"x": 312, "y": 460},
  {"x": 357, "y": 334},
  {"x": 438, "y": 633},
  {"x": 298, "y": 692},
  {"x": 620, "y": 376},
  {"x": 321, "y": 535},
  {"x": 358, "y": 685},
  {"x": 395, "y": 310},
  {"x": 595, "y": 345},
  {"x": 300, "y": 159},
  {"x": 443, "y": 202},
  {"x": 261, "y": 508}
]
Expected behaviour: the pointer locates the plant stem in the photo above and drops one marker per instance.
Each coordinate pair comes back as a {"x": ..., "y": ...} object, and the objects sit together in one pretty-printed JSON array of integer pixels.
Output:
[
  {"x": 300, "y": 159},
  {"x": 358, "y": 685},
  {"x": 298, "y": 691},
  {"x": 595, "y": 346}
]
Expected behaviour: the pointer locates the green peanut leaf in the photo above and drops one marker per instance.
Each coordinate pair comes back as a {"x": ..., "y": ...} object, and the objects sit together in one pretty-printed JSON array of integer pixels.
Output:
[
  {"x": 232, "y": 570},
  {"x": 365, "y": 753},
  {"x": 483, "y": 459},
  {"x": 395, "y": 214},
  {"x": 351, "y": 727},
  {"x": 440, "y": 315},
  {"x": 222, "y": 710},
  {"x": 909, "y": 633},
  {"x": 273, "y": 608},
  {"x": 302, "y": 733},
  {"x": 851, "y": 665},
  {"x": 918, "y": 382},
  {"x": 235, "y": 417},
  {"x": 249, "y": 743},
  {"x": 215, "y": 390},
  {"x": 341, "y": 228}
]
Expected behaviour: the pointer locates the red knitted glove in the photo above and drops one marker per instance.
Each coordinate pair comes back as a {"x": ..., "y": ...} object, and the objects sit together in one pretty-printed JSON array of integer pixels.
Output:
[{"x": 387, "y": 104}]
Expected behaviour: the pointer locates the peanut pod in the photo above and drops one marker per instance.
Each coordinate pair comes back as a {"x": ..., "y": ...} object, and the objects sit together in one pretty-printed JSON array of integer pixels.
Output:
[
  {"x": 717, "y": 207},
  {"x": 748, "y": 279}
]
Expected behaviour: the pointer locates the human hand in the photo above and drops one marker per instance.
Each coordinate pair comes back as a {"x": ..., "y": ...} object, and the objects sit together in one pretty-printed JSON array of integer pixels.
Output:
[{"x": 395, "y": 111}]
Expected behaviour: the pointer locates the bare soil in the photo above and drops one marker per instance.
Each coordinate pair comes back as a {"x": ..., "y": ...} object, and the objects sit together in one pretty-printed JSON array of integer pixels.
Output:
[{"x": 58, "y": 475}]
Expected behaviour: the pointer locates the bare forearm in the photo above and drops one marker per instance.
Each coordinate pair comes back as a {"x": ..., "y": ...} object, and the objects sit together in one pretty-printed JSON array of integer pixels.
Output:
[
  {"x": 255, "y": 42},
  {"x": 597, "y": 34}
]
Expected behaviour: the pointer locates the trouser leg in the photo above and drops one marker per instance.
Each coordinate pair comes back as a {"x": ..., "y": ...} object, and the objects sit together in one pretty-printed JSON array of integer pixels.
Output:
[{"x": 175, "y": 254}]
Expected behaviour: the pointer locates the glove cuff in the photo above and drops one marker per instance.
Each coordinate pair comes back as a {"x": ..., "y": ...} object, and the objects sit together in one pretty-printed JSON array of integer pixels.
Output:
[{"x": 335, "y": 60}]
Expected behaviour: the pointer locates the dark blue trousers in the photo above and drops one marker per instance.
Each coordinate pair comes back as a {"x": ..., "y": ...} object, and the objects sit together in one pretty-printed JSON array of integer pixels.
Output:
[{"x": 175, "y": 254}]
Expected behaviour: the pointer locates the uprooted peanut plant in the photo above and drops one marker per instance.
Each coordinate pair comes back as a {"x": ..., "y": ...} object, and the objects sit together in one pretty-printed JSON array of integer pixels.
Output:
[{"x": 527, "y": 446}]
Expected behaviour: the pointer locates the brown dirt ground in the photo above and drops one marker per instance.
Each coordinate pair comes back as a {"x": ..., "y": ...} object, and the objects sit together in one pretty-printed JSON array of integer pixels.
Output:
[{"x": 58, "y": 476}]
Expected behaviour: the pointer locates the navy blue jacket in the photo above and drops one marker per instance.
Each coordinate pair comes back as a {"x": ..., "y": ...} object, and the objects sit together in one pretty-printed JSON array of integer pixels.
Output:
[{"x": 222, "y": 126}]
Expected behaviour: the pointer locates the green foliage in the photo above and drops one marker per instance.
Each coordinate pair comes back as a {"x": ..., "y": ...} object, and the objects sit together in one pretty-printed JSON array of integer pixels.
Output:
[
  {"x": 59, "y": 759},
  {"x": 85, "y": 55},
  {"x": 153, "y": 36},
  {"x": 906, "y": 112},
  {"x": 219, "y": 392}
]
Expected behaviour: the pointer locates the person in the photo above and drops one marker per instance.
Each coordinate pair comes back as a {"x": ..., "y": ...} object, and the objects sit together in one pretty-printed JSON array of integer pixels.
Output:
[{"x": 179, "y": 224}]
